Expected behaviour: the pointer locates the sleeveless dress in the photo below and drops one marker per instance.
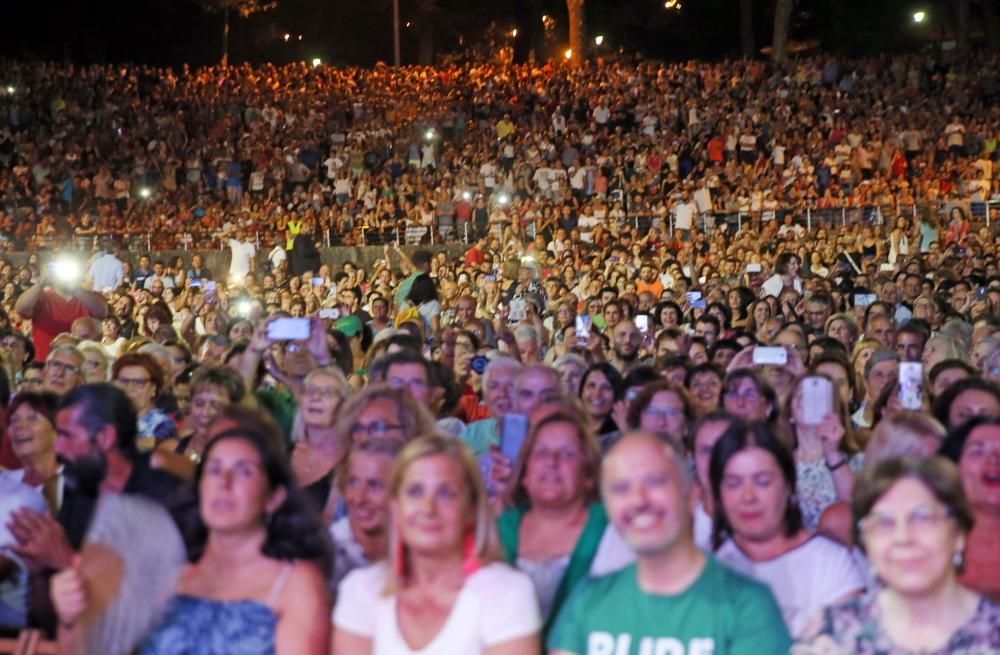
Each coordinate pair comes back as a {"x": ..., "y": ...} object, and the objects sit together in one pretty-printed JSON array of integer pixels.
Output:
[{"x": 203, "y": 626}]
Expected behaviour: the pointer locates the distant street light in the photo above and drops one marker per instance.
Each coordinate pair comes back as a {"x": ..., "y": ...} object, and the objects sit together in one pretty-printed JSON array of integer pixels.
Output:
[
  {"x": 568, "y": 54},
  {"x": 919, "y": 16},
  {"x": 513, "y": 32},
  {"x": 287, "y": 37},
  {"x": 316, "y": 62},
  {"x": 144, "y": 192},
  {"x": 599, "y": 39}
]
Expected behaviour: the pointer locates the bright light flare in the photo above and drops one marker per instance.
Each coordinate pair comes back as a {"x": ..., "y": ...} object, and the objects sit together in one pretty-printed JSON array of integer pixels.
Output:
[
  {"x": 599, "y": 39},
  {"x": 919, "y": 16}
]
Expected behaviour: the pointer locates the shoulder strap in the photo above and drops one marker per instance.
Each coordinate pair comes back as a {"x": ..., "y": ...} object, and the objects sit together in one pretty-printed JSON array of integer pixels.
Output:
[
  {"x": 279, "y": 583},
  {"x": 582, "y": 558},
  {"x": 509, "y": 529}
]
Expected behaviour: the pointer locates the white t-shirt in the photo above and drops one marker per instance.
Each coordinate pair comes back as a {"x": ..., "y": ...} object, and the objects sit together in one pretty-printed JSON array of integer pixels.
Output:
[
  {"x": 243, "y": 252},
  {"x": 804, "y": 580},
  {"x": 683, "y": 215},
  {"x": 496, "y": 604}
]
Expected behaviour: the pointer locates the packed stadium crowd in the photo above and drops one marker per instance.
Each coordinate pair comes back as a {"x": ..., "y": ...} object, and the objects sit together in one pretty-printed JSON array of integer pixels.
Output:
[{"x": 667, "y": 401}]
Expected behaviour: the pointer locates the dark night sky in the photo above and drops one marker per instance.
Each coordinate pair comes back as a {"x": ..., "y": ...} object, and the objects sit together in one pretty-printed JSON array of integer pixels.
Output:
[{"x": 176, "y": 31}]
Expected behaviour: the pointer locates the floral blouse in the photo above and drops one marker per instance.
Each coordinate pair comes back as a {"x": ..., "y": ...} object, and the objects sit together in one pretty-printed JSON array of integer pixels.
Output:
[
  {"x": 853, "y": 628},
  {"x": 814, "y": 487}
]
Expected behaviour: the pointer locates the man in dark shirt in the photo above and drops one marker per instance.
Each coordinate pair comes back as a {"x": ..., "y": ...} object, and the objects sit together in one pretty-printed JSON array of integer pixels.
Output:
[{"x": 96, "y": 441}]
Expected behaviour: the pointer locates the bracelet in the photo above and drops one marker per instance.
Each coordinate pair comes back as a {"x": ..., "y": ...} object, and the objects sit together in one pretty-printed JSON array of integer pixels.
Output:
[{"x": 834, "y": 467}]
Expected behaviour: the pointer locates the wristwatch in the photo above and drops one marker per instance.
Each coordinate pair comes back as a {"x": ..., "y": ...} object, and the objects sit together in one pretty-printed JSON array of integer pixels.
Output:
[{"x": 833, "y": 467}]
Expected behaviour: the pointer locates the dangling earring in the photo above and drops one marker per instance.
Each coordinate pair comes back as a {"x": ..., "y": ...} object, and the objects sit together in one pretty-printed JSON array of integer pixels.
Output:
[
  {"x": 958, "y": 560},
  {"x": 471, "y": 562}
]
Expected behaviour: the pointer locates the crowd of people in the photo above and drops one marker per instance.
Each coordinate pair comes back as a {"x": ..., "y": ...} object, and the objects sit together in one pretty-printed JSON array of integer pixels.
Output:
[
  {"x": 599, "y": 436},
  {"x": 179, "y": 159}
]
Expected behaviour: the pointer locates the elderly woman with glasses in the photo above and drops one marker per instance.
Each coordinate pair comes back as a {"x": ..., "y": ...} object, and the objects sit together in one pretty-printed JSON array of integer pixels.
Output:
[
  {"x": 141, "y": 378},
  {"x": 913, "y": 522},
  {"x": 318, "y": 448}
]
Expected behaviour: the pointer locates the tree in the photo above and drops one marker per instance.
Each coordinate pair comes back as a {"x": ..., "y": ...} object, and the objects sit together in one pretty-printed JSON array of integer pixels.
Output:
[
  {"x": 963, "y": 26},
  {"x": 577, "y": 38},
  {"x": 243, "y": 8},
  {"x": 746, "y": 28},
  {"x": 782, "y": 20}
]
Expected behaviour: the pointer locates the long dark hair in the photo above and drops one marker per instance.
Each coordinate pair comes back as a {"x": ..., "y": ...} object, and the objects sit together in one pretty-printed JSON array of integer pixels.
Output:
[
  {"x": 739, "y": 437},
  {"x": 294, "y": 531}
]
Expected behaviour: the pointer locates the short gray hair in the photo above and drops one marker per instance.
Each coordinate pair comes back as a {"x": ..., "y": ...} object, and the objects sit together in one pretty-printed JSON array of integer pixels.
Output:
[
  {"x": 877, "y": 358},
  {"x": 497, "y": 363}
]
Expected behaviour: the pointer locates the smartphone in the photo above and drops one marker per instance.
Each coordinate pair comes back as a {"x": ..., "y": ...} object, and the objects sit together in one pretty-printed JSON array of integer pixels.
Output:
[
  {"x": 911, "y": 382},
  {"x": 491, "y": 278},
  {"x": 194, "y": 283},
  {"x": 770, "y": 356},
  {"x": 317, "y": 281},
  {"x": 642, "y": 322},
  {"x": 479, "y": 363},
  {"x": 817, "y": 399},
  {"x": 699, "y": 304},
  {"x": 864, "y": 299},
  {"x": 981, "y": 293},
  {"x": 288, "y": 329},
  {"x": 582, "y": 330},
  {"x": 693, "y": 297},
  {"x": 754, "y": 268},
  {"x": 329, "y": 314},
  {"x": 518, "y": 310},
  {"x": 513, "y": 432}
]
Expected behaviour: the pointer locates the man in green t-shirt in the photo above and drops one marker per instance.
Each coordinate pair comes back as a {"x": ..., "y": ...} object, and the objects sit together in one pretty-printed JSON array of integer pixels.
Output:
[{"x": 675, "y": 600}]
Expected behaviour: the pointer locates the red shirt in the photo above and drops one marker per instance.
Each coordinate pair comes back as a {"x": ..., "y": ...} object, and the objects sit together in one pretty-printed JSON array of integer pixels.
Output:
[
  {"x": 474, "y": 257},
  {"x": 53, "y": 315}
]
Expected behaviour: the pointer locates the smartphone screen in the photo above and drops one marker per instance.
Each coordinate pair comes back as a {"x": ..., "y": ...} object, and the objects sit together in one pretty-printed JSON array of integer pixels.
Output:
[
  {"x": 582, "y": 330},
  {"x": 770, "y": 356},
  {"x": 642, "y": 322},
  {"x": 817, "y": 399},
  {"x": 911, "y": 382},
  {"x": 288, "y": 329},
  {"x": 513, "y": 432}
]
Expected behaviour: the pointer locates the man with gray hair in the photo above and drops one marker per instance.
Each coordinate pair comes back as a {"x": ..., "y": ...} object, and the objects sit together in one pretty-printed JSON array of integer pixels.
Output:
[
  {"x": 535, "y": 385},
  {"x": 498, "y": 396},
  {"x": 528, "y": 344},
  {"x": 63, "y": 370}
]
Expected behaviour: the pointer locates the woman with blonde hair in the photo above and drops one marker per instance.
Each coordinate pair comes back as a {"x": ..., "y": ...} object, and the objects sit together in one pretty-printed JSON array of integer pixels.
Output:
[
  {"x": 825, "y": 452},
  {"x": 442, "y": 590},
  {"x": 904, "y": 434},
  {"x": 318, "y": 448},
  {"x": 862, "y": 352},
  {"x": 843, "y": 328},
  {"x": 941, "y": 347}
]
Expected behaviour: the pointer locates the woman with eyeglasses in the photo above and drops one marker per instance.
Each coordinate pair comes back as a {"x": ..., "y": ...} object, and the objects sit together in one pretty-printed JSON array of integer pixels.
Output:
[
  {"x": 758, "y": 528},
  {"x": 913, "y": 522},
  {"x": 746, "y": 395},
  {"x": 361, "y": 537},
  {"x": 975, "y": 447},
  {"x": 141, "y": 378},
  {"x": 441, "y": 590},
  {"x": 318, "y": 448},
  {"x": 556, "y": 529},
  {"x": 661, "y": 408},
  {"x": 213, "y": 388}
]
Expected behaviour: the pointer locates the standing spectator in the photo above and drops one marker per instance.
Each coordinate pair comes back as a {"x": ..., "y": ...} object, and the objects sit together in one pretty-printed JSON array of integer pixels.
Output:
[{"x": 53, "y": 304}]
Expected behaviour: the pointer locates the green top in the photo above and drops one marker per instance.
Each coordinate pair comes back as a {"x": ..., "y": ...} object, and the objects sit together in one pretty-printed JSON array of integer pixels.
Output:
[
  {"x": 721, "y": 613},
  {"x": 580, "y": 560},
  {"x": 480, "y": 435},
  {"x": 281, "y": 406},
  {"x": 403, "y": 290}
]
